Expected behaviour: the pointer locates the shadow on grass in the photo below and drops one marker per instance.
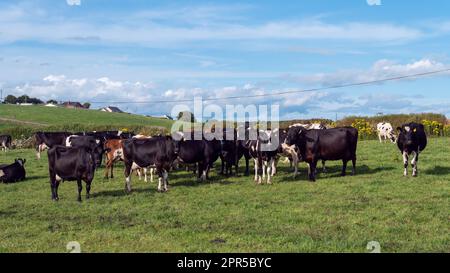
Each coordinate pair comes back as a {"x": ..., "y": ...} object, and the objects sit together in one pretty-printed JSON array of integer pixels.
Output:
[
  {"x": 122, "y": 192},
  {"x": 438, "y": 170},
  {"x": 331, "y": 172}
]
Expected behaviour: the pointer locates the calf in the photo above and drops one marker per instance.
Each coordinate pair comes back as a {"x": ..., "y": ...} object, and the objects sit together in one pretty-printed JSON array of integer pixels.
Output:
[
  {"x": 412, "y": 140},
  {"x": 157, "y": 152},
  {"x": 14, "y": 172},
  {"x": 330, "y": 144},
  {"x": 70, "y": 164},
  {"x": 46, "y": 140},
  {"x": 385, "y": 131},
  {"x": 5, "y": 142}
]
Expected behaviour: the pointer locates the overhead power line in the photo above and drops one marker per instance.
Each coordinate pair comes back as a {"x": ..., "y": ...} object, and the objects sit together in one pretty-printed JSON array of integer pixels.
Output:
[{"x": 283, "y": 93}]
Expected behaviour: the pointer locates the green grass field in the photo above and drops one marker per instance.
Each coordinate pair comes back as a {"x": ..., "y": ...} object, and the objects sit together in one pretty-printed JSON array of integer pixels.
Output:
[
  {"x": 13, "y": 115},
  {"x": 335, "y": 214}
]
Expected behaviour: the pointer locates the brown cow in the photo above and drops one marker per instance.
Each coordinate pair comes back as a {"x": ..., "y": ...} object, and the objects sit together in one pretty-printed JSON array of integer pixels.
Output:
[{"x": 114, "y": 153}]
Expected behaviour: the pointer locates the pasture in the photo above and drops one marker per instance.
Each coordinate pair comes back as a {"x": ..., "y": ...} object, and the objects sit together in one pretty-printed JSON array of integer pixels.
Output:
[{"x": 335, "y": 214}]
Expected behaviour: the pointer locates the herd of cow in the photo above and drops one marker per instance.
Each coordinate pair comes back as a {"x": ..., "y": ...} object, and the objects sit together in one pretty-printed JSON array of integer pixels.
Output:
[{"x": 75, "y": 157}]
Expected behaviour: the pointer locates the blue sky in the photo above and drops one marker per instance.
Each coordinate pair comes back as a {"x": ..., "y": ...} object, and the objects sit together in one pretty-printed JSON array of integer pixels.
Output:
[{"x": 111, "y": 50}]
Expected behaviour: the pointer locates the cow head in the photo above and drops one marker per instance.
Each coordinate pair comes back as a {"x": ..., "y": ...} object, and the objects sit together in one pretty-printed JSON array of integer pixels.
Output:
[
  {"x": 294, "y": 134},
  {"x": 20, "y": 161},
  {"x": 407, "y": 134},
  {"x": 269, "y": 139}
]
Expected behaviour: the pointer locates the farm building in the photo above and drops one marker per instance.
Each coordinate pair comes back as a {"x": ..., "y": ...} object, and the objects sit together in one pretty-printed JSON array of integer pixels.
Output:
[{"x": 111, "y": 109}]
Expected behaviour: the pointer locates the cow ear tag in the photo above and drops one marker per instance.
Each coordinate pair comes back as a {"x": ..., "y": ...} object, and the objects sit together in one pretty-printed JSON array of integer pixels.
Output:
[{"x": 415, "y": 130}]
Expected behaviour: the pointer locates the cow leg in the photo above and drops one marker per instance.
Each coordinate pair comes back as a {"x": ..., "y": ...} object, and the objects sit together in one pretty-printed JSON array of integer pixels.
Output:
[
  {"x": 80, "y": 188},
  {"x": 88, "y": 189},
  {"x": 405, "y": 163},
  {"x": 270, "y": 170},
  {"x": 256, "y": 170},
  {"x": 312, "y": 171},
  {"x": 112, "y": 169},
  {"x": 152, "y": 171},
  {"x": 205, "y": 174},
  {"x": 54, "y": 187},
  {"x": 414, "y": 163},
  {"x": 222, "y": 168},
  {"x": 38, "y": 152},
  {"x": 264, "y": 168},
  {"x": 108, "y": 167},
  {"x": 128, "y": 177},
  {"x": 273, "y": 165},
  {"x": 354, "y": 165},
  {"x": 247, "y": 169},
  {"x": 160, "y": 179},
  {"x": 324, "y": 169},
  {"x": 145, "y": 174},
  {"x": 165, "y": 179},
  {"x": 138, "y": 171},
  {"x": 344, "y": 167},
  {"x": 295, "y": 163}
]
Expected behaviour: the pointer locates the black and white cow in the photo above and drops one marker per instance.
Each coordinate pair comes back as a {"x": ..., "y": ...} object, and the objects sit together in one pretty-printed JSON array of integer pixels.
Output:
[
  {"x": 46, "y": 140},
  {"x": 5, "y": 142},
  {"x": 386, "y": 131},
  {"x": 201, "y": 152},
  {"x": 330, "y": 144},
  {"x": 412, "y": 140},
  {"x": 264, "y": 151},
  {"x": 156, "y": 152},
  {"x": 70, "y": 164},
  {"x": 14, "y": 172},
  {"x": 91, "y": 143}
]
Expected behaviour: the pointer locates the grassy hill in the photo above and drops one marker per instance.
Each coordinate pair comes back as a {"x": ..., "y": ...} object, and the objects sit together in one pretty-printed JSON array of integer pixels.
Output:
[{"x": 21, "y": 120}]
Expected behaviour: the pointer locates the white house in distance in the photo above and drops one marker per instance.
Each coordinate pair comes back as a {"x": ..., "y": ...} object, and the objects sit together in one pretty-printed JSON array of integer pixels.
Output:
[{"x": 111, "y": 109}]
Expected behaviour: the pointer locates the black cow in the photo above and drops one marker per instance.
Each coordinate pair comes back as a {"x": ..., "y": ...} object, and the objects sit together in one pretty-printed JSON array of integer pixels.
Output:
[
  {"x": 411, "y": 140},
  {"x": 156, "y": 152},
  {"x": 329, "y": 144},
  {"x": 232, "y": 150},
  {"x": 203, "y": 152},
  {"x": 89, "y": 142},
  {"x": 46, "y": 140},
  {"x": 70, "y": 164},
  {"x": 5, "y": 142},
  {"x": 14, "y": 172}
]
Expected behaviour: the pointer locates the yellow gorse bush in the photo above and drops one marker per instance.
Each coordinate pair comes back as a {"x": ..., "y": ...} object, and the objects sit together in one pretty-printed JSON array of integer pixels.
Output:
[
  {"x": 433, "y": 127},
  {"x": 364, "y": 128}
]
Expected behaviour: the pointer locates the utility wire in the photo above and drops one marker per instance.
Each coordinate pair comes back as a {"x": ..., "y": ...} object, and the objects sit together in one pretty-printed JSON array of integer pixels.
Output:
[{"x": 285, "y": 92}]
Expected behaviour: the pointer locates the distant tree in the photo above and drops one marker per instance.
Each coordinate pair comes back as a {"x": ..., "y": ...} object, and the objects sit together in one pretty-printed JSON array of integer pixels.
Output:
[
  {"x": 10, "y": 99},
  {"x": 23, "y": 99},
  {"x": 87, "y": 105},
  {"x": 52, "y": 101},
  {"x": 186, "y": 116}
]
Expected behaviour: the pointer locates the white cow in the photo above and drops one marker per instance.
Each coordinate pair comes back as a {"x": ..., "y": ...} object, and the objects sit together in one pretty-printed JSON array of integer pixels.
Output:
[{"x": 386, "y": 131}]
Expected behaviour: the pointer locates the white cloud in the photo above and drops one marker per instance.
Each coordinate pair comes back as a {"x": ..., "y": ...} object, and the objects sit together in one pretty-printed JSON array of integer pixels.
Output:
[
  {"x": 73, "y": 2},
  {"x": 381, "y": 69},
  {"x": 199, "y": 24}
]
